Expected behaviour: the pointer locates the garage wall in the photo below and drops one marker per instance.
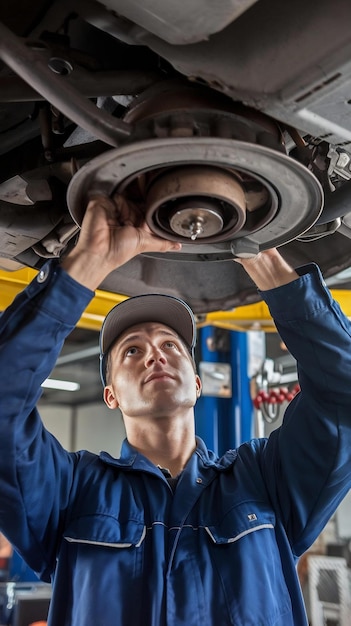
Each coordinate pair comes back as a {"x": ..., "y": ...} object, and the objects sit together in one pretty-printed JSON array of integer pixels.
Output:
[
  {"x": 58, "y": 421},
  {"x": 93, "y": 427},
  {"x": 99, "y": 428}
]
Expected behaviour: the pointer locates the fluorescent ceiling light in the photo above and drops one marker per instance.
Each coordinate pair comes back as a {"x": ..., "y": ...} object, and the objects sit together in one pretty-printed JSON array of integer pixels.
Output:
[{"x": 63, "y": 385}]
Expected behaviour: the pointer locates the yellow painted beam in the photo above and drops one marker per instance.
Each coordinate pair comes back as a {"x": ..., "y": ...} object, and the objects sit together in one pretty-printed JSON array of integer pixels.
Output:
[
  {"x": 11, "y": 283},
  {"x": 243, "y": 318},
  {"x": 257, "y": 316},
  {"x": 248, "y": 317},
  {"x": 98, "y": 308}
]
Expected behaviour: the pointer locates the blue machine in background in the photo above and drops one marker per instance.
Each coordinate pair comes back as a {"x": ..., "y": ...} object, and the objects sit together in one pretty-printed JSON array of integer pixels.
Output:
[{"x": 224, "y": 417}]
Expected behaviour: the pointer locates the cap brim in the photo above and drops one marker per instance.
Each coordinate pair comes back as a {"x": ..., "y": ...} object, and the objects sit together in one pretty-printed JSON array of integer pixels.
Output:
[{"x": 160, "y": 308}]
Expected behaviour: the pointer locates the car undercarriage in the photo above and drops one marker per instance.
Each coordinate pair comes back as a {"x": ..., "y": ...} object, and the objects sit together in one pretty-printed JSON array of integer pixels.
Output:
[{"x": 226, "y": 126}]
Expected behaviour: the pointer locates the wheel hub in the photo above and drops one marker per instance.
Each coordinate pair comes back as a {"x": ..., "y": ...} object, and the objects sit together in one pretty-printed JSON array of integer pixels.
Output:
[
  {"x": 195, "y": 203},
  {"x": 197, "y": 221}
]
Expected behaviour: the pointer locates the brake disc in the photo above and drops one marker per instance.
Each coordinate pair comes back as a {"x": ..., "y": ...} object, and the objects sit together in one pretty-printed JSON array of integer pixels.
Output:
[{"x": 292, "y": 197}]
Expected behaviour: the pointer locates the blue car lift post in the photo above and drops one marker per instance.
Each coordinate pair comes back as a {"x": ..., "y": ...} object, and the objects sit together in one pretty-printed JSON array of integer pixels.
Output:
[{"x": 224, "y": 423}]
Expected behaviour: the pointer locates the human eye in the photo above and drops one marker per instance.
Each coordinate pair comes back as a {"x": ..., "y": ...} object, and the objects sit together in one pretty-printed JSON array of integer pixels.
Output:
[
  {"x": 130, "y": 351},
  {"x": 170, "y": 344}
]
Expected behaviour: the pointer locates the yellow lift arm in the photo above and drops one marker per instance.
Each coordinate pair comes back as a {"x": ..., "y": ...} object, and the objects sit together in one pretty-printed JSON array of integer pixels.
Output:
[{"x": 243, "y": 318}]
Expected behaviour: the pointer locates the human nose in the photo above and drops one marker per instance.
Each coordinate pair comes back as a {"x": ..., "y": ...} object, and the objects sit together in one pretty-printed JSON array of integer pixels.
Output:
[{"x": 154, "y": 353}]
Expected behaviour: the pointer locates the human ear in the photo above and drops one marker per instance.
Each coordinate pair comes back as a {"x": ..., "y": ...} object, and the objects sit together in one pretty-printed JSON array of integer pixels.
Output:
[
  {"x": 110, "y": 398},
  {"x": 198, "y": 386}
]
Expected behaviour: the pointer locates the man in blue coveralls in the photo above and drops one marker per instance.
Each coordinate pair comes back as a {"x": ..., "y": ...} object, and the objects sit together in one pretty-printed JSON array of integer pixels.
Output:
[{"x": 208, "y": 541}]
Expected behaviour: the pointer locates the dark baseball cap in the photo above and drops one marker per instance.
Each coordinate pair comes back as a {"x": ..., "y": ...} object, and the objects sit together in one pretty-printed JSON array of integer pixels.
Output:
[{"x": 161, "y": 308}]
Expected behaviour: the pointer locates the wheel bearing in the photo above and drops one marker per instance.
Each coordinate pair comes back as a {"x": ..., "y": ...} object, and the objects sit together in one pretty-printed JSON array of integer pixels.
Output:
[{"x": 195, "y": 203}]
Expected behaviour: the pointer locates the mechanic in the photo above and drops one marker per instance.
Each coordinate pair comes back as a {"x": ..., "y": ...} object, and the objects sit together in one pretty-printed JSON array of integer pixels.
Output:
[{"x": 208, "y": 541}]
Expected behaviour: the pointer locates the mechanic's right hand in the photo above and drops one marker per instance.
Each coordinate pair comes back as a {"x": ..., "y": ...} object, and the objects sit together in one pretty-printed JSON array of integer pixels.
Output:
[{"x": 113, "y": 232}]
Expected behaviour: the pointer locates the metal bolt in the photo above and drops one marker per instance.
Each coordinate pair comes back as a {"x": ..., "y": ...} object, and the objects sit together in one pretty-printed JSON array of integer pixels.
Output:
[
  {"x": 343, "y": 160},
  {"x": 196, "y": 228},
  {"x": 244, "y": 248}
]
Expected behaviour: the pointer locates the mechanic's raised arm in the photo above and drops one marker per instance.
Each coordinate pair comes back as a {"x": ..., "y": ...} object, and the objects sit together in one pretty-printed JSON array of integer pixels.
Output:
[
  {"x": 307, "y": 462},
  {"x": 34, "y": 469}
]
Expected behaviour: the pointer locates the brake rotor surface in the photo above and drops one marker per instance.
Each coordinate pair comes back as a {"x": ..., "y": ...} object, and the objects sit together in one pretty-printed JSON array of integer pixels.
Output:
[{"x": 295, "y": 197}]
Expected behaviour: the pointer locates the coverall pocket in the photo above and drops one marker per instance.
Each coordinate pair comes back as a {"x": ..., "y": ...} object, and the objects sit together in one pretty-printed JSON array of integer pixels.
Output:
[
  {"x": 244, "y": 548},
  {"x": 241, "y": 520},
  {"x": 105, "y": 556},
  {"x": 106, "y": 530}
]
